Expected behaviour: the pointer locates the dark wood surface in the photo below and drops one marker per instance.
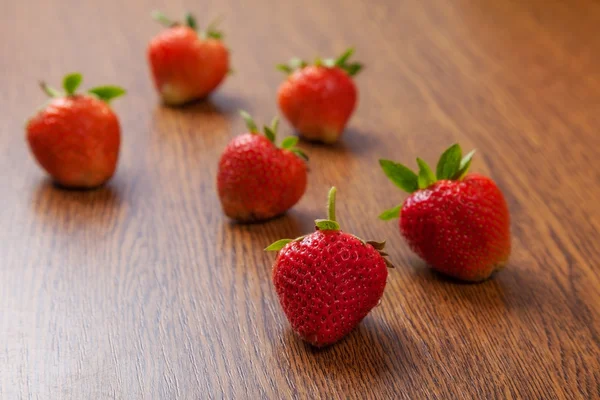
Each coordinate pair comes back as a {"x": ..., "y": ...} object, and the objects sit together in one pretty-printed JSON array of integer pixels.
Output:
[{"x": 143, "y": 290}]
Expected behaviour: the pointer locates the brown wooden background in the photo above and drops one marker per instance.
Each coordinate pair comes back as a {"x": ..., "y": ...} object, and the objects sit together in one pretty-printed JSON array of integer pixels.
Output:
[{"x": 143, "y": 289}]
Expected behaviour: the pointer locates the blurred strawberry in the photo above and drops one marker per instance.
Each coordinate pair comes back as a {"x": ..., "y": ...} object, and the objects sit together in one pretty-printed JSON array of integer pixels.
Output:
[
  {"x": 256, "y": 179},
  {"x": 186, "y": 64},
  {"x": 76, "y": 137},
  {"x": 318, "y": 100}
]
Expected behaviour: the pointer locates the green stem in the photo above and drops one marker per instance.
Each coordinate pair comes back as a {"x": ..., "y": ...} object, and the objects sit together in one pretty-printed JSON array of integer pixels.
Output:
[
  {"x": 49, "y": 90},
  {"x": 331, "y": 204},
  {"x": 162, "y": 18}
]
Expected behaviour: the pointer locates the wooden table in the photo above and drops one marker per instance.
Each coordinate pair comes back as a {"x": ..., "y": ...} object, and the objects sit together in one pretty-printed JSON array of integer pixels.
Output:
[{"x": 144, "y": 290}]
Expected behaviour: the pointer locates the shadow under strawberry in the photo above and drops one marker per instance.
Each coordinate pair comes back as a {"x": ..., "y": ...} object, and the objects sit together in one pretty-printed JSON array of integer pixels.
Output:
[
  {"x": 358, "y": 141},
  {"x": 355, "y": 141},
  {"x": 291, "y": 223},
  {"x": 199, "y": 106},
  {"x": 219, "y": 103},
  {"x": 74, "y": 189},
  {"x": 424, "y": 270},
  {"x": 254, "y": 220},
  {"x": 373, "y": 351},
  {"x": 107, "y": 191},
  {"x": 295, "y": 217},
  {"x": 78, "y": 208},
  {"x": 490, "y": 294},
  {"x": 228, "y": 103}
]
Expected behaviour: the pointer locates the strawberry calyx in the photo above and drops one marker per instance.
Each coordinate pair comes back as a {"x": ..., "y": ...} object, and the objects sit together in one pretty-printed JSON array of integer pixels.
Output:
[
  {"x": 451, "y": 166},
  {"x": 71, "y": 83},
  {"x": 379, "y": 246},
  {"x": 351, "y": 68},
  {"x": 270, "y": 131},
  {"x": 211, "y": 31},
  {"x": 330, "y": 224}
]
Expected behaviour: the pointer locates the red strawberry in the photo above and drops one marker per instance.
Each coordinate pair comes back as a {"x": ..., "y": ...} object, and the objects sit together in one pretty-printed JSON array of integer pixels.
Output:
[
  {"x": 186, "y": 65},
  {"x": 458, "y": 223},
  {"x": 76, "y": 137},
  {"x": 318, "y": 100},
  {"x": 256, "y": 179},
  {"x": 328, "y": 281}
]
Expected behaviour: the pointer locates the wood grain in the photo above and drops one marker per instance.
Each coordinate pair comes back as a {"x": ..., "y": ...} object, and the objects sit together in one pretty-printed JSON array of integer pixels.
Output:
[{"x": 143, "y": 290}]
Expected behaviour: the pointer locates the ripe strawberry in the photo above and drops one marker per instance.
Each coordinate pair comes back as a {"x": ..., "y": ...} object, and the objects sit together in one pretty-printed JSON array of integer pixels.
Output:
[
  {"x": 458, "y": 223},
  {"x": 186, "y": 65},
  {"x": 328, "y": 281},
  {"x": 318, "y": 100},
  {"x": 76, "y": 137},
  {"x": 256, "y": 179}
]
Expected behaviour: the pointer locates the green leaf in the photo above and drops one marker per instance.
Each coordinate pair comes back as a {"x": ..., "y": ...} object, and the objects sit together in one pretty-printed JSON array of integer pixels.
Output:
[
  {"x": 426, "y": 177},
  {"x": 212, "y": 31},
  {"x": 402, "y": 176},
  {"x": 162, "y": 18},
  {"x": 292, "y": 65},
  {"x": 214, "y": 34},
  {"x": 278, "y": 245},
  {"x": 327, "y": 225},
  {"x": 269, "y": 134},
  {"x": 299, "y": 153},
  {"x": 71, "y": 82},
  {"x": 341, "y": 61},
  {"x": 328, "y": 62},
  {"x": 275, "y": 124},
  {"x": 377, "y": 245},
  {"x": 249, "y": 121},
  {"x": 359, "y": 239},
  {"x": 297, "y": 63},
  {"x": 107, "y": 93},
  {"x": 465, "y": 163},
  {"x": 289, "y": 142},
  {"x": 449, "y": 162},
  {"x": 49, "y": 90},
  {"x": 466, "y": 159},
  {"x": 392, "y": 213},
  {"x": 353, "y": 69},
  {"x": 191, "y": 21},
  {"x": 284, "y": 68}
]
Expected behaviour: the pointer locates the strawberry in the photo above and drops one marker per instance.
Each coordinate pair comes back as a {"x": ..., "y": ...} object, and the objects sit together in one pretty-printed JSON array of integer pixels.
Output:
[
  {"x": 76, "y": 137},
  {"x": 319, "y": 99},
  {"x": 329, "y": 280},
  {"x": 186, "y": 64},
  {"x": 458, "y": 223},
  {"x": 257, "y": 180}
]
